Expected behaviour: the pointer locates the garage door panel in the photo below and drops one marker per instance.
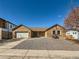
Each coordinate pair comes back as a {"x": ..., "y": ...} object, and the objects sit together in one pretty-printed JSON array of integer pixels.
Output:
[{"x": 22, "y": 35}]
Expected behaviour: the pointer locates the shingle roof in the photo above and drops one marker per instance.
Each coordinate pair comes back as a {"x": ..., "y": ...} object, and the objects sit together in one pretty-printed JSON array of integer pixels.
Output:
[
  {"x": 20, "y": 26},
  {"x": 73, "y": 29},
  {"x": 54, "y": 26},
  {"x": 38, "y": 29},
  {"x": 7, "y": 21}
]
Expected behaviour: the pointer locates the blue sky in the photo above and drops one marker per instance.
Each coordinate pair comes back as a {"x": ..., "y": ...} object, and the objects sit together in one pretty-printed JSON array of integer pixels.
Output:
[{"x": 36, "y": 13}]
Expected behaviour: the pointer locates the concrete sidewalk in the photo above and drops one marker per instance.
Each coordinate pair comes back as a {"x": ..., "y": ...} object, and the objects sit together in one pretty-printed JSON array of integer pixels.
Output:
[
  {"x": 11, "y": 44},
  {"x": 37, "y": 54}
]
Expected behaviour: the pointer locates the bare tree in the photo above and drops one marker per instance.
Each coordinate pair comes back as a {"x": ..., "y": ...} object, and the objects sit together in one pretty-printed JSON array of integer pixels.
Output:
[{"x": 72, "y": 21}]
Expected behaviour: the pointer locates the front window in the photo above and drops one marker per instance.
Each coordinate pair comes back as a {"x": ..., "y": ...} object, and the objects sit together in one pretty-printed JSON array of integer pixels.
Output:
[
  {"x": 10, "y": 26},
  {"x": 58, "y": 32},
  {"x": 3, "y": 25},
  {"x": 53, "y": 32},
  {"x": 74, "y": 32}
]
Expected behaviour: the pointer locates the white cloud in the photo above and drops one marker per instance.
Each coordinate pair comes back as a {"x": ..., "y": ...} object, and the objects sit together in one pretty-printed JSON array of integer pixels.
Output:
[{"x": 59, "y": 16}]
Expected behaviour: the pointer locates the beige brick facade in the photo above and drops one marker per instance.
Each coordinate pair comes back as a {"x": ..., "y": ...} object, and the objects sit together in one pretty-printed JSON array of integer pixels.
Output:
[
  {"x": 21, "y": 29},
  {"x": 49, "y": 32}
]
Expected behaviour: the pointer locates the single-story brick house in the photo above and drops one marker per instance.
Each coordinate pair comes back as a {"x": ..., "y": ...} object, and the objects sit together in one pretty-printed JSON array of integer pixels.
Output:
[{"x": 22, "y": 31}]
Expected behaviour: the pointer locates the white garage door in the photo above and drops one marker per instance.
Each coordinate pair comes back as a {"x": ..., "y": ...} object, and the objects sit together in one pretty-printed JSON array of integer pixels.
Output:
[{"x": 22, "y": 35}]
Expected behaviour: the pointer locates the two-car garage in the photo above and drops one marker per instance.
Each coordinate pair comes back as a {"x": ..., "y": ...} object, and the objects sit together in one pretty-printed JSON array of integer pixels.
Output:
[
  {"x": 21, "y": 32},
  {"x": 22, "y": 35}
]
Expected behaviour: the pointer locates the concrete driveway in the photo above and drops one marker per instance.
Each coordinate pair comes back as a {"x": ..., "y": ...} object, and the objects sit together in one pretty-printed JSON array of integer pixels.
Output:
[{"x": 47, "y": 44}]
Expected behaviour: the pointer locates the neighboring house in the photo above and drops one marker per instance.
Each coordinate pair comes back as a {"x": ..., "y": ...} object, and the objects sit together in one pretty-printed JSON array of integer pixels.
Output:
[
  {"x": 73, "y": 33},
  {"x": 6, "y": 29},
  {"x": 26, "y": 32},
  {"x": 55, "y": 30}
]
